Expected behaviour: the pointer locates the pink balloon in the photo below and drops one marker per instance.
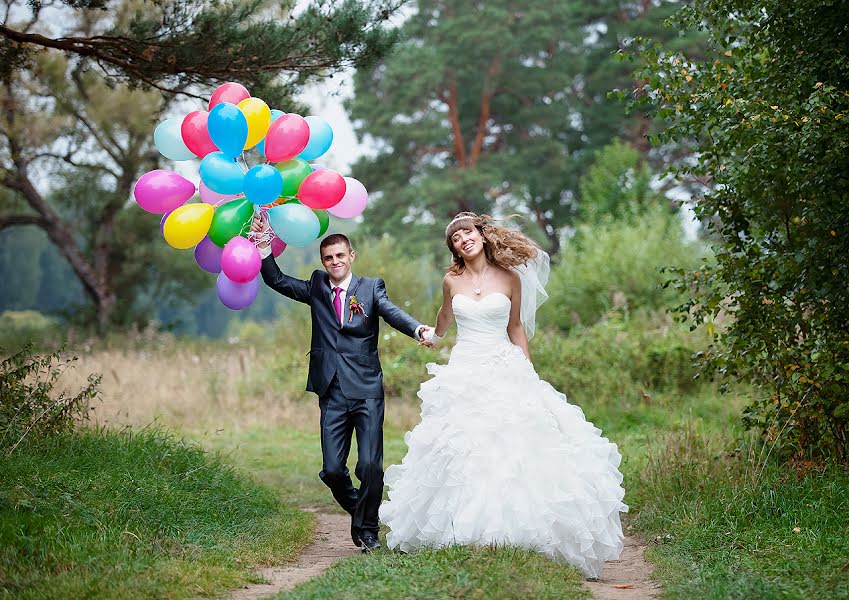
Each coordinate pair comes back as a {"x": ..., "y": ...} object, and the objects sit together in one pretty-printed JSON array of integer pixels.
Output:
[
  {"x": 322, "y": 189},
  {"x": 286, "y": 138},
  {"x": 277, "y": 246},
  {"x": 214, "y": 198},
  {"x": 161, "y": 191},
  {"x": 196, "y": 134},
  {"x": 353, "y": 203},
  {"x": 228, "y": 92},
  {"x": 240, "y": 260}
]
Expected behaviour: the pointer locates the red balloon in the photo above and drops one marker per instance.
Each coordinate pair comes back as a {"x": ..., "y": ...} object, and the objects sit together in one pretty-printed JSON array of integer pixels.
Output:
[
  {"x": 286, "y": 138},
  {"x": 228, "y": 92},
  {"x": 196, "y": 135},
  {"x": 277, "y": 246},
  {"x": 322, "y": 189}
]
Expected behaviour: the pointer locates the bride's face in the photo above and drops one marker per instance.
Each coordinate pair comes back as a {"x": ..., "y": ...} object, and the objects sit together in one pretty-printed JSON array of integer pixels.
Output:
[{"x": 468, "y": 243}]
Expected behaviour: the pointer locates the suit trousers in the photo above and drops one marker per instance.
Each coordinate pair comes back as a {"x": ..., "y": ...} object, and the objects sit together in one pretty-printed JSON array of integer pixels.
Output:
[{"x": 340, "y": 417}]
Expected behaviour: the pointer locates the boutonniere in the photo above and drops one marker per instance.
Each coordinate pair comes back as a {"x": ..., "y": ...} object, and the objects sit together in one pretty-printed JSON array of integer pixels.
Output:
[{"x": 356, "y": 308}]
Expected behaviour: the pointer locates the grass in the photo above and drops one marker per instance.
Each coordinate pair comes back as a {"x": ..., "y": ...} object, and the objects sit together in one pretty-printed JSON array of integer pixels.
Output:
[
  {"x": 134, "y": 515},
  {"x": 457, "y": 572},
  {"x": 717, "y": 527},
  {"x": 734, "y": 526}
]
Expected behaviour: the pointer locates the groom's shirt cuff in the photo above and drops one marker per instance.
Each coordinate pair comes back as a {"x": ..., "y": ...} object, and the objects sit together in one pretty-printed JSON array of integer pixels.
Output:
[
  {"x": 265, "y": 252},
  {"x": 418, "y": 333}
]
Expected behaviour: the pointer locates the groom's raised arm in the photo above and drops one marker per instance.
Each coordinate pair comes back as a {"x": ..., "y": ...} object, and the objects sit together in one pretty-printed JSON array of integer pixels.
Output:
[
  {"x": 393, "y": 315},
  {"x": 277, "y": 280}
]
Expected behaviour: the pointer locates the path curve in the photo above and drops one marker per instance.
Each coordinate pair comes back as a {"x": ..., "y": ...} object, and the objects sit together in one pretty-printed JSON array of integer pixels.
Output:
[
  {"x": 331, "y": 542},
  {"x": 628, "y": 578}
]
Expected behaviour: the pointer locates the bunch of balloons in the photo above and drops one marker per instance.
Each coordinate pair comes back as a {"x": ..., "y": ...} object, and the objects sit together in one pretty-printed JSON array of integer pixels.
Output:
[{"x": 297, "y": 196}]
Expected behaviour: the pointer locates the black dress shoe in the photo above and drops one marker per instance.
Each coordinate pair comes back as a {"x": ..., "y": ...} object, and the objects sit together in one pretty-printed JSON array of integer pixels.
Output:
[{"x": 369, "y": 541}]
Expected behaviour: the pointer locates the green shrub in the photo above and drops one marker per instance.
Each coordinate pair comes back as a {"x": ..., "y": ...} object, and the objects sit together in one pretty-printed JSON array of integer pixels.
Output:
[
  {"x": 29, "y": 405},
  {"x": 764, "y": 111},
  {"x": 19, "y": 327},
  {"x": 621, "y": 361},
  {"x": 615, "y": 264}
]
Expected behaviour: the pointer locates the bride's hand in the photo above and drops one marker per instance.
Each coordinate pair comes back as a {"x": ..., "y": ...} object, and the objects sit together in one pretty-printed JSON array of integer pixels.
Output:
[{"x": 429, "y": 337}]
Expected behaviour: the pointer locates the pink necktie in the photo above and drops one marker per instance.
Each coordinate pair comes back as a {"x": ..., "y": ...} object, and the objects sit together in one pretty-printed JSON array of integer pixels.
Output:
[{"x": 337, "y": 303}]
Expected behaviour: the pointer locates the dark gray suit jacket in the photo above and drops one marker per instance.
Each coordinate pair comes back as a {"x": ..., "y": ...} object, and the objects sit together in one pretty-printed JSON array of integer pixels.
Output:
[{"x": 348, "y": 350}]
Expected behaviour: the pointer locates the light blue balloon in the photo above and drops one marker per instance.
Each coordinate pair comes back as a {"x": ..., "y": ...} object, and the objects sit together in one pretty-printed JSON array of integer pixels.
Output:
[
  {"x": 228, "y": 128},
  {"x": 263, "y": 184},
  {"x": 221, "y": 174},
  {"x": 169, "y": 141},
  {"x": 294, "y": 223},
  {"x": 321, "y": 136},
  {"x": 275, "y": 114}
]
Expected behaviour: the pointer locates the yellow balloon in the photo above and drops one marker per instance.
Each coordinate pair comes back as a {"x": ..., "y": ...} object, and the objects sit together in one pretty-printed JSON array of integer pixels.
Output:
[
  {"x": 259, "y": 120},
  {"x": 187, "y": 225}
]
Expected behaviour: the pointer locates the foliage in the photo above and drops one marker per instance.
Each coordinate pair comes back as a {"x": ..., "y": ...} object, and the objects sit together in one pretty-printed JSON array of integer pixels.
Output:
[
  {"x": 68, "y": 159},
  {"x": 648, "y": 354},
  {"x": 766, "y": 114},
  {"x": 727, "y": 525},
  {"x": 615, "y": 264},
  {"x": 20, "y": 327},
  {"x": 495, "y": 107},
  {"x": 176, "y": 44},
  {"x": 135, "y": 515},
  {"x": 618, "y": 185},
  {"x": 30, "y": 407}
]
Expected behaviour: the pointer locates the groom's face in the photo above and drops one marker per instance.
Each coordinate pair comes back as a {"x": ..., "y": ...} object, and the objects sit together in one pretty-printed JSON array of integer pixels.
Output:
[{"x": 337, "y": 259}]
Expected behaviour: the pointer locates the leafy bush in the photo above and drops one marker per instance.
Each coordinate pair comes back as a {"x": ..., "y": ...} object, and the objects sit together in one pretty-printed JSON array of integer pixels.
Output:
[
  {"x": 615, "y": 264},
  {"x": 620, "y": 361},
  {"x": 19, "y": 327},
  {"x": 29, "y": 406},
  {"x": 766, "y": 113}
]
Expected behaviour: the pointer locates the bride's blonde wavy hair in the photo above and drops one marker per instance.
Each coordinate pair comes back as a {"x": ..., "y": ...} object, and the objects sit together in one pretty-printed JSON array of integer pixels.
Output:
[{"x": 503, "y": 247}]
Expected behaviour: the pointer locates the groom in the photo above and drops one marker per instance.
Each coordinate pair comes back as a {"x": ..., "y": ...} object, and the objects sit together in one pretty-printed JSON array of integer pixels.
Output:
[{"x": 345, "y": 371}]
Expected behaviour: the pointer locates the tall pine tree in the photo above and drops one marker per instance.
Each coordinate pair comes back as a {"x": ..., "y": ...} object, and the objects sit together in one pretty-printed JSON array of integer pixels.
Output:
[{"x": 496, "y": 106}]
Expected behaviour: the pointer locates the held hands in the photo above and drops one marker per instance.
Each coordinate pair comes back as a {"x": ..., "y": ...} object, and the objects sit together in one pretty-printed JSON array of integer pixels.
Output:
[
  {"x": 429, "y": 337},
  {"x": 260, "y": 225}
]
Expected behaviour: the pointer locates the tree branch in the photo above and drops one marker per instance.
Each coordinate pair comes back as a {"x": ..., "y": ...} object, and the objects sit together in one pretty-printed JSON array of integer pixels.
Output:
[
  {"x": 451, "y": 99},
  {"x": 486, "y": 101},
  {"x": 14, "y": 220}
]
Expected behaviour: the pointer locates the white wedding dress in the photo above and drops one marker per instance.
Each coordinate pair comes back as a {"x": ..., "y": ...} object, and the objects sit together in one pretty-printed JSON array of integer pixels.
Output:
[{"x": 501, "y": 458}]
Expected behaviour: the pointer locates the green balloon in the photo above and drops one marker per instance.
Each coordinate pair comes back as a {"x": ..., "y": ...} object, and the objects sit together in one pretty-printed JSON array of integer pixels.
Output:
[
  {"x": 293, "y": 172},
  {"x": 231, "y": 219},
  {"x": 323, "y": 220}
]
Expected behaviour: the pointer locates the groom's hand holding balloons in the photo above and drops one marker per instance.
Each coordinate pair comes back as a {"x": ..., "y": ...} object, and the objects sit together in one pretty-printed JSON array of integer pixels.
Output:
[{"x": 260, "y": 225}]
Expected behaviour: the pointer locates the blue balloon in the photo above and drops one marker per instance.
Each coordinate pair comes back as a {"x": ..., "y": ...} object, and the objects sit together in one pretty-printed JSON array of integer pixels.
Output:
[
  {"x": 169, "y": 140},
  {"x": 221, "y": 174},
  {"x": 294, "y": 223},
  {"x": 321, "y": 136},
  {"x": 263, "y": 184},
  {"x": 275, "y": 114},
  {"x": 228, "y": 128}
]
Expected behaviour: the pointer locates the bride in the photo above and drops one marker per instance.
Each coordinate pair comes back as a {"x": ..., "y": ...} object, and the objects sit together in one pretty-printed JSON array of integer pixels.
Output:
[{"x": 500, "y": 457}]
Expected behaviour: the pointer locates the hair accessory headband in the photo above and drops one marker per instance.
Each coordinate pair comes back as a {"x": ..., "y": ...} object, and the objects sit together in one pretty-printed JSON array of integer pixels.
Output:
[{"x": 458, "y": 219}]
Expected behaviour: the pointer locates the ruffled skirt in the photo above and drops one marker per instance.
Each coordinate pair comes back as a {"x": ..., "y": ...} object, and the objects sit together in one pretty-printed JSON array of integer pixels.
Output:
[{"x": 501, "y": 458}]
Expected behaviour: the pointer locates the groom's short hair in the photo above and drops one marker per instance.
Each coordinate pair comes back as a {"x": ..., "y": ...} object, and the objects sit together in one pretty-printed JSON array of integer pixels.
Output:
[{"x": 335, "y": 238}]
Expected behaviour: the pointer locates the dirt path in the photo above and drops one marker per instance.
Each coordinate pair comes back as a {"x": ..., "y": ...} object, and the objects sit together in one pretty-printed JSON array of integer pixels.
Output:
[
  {"x": 332, "y": 542},
  {"x": 628, "y": 578}
]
